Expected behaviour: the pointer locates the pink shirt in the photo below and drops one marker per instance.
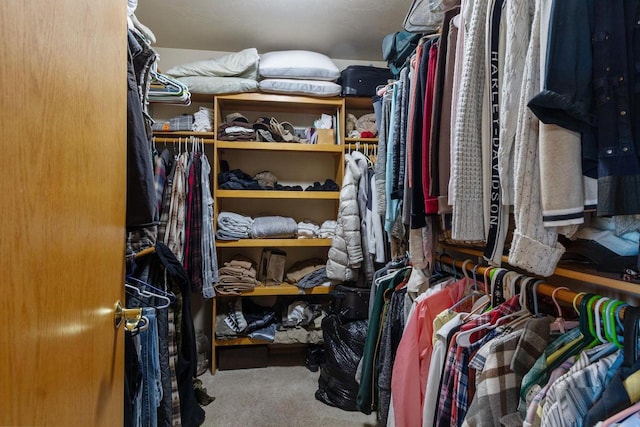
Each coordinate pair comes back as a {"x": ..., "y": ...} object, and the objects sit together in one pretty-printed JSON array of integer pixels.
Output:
[{"x": 413, "y": 357}]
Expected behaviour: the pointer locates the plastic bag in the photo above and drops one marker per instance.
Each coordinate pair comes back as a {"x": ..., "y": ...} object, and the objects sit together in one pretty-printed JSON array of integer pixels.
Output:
[
  {"x": 343, "y": 347},
  {"x": 424, "y": 16}
]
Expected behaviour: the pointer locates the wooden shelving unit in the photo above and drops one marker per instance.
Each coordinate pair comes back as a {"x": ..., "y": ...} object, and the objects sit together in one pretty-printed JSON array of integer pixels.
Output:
[{"x": 293, "y": 164}]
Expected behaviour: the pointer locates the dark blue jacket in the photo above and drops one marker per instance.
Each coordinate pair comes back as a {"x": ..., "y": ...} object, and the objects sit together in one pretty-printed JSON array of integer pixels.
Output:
[{"x": 592, "y": 86}]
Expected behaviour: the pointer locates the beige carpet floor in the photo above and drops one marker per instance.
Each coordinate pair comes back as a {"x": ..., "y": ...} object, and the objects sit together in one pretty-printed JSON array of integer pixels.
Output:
[{"x": 273, "y": 396}]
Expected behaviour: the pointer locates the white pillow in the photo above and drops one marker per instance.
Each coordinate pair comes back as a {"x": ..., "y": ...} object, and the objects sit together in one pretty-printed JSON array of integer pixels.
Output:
[
  {"x": 241, "y": 64},
  {"x": 219, "y": 85},
  {"x": 297, "y": 64},
  {"x": 300, "y": 87}
]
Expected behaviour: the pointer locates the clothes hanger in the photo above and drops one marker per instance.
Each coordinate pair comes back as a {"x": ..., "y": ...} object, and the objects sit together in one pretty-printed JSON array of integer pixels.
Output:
[
  {"x": 474, "y": 290},
  {"x": 622, "y": 415},
  {"x": 611, "y": 322},
  {"x": 147, "y": 294},
  {"x": 599, "y": 324},
  {"x": 168, "y": 297},
  {"x": 560, "y": 324}
]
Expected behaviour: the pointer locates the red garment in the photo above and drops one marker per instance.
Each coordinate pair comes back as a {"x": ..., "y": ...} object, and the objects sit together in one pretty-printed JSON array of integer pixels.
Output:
[
  {"x": 415, "y": 61},
  {"x": 430, "y": 201}
]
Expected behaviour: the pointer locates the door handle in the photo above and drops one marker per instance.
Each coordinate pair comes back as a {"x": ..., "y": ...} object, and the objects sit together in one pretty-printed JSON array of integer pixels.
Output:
[{"x": 130, "y": 316}]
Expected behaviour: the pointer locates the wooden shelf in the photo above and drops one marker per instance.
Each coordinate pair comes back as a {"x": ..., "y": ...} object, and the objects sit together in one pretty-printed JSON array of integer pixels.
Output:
[
  {"x": 240, "y": 341},
  {"x": 580, "y": 273},
  {"x": 252, "y": 243},
  {"x": 279, "y": 146},
  {"x": 268, "y": 194},
  {"x": 279, "y": 103},
  {"x": 282, "y": 289}
]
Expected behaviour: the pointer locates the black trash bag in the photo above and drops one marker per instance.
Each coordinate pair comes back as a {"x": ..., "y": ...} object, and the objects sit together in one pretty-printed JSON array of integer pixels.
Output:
[{"x": 343, "y": 348}]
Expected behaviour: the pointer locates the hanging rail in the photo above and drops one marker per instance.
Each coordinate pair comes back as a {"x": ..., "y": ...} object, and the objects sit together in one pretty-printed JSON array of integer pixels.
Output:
[{"x": 570, "y": 298}]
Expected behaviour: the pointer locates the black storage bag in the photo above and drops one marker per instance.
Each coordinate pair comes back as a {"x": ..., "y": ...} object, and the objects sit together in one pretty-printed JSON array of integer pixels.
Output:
[
  {"x": 362, "y": 80},
  {"x": 351, "y": 302},
  {"x": 343, "y": 348}
]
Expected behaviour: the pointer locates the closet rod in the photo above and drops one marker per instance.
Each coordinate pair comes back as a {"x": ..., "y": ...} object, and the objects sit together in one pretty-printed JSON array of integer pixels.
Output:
[
  {"x": 176, "y": 140},
  {"x": 144, "y": 252},
  {"x": 569, "y": 297}
]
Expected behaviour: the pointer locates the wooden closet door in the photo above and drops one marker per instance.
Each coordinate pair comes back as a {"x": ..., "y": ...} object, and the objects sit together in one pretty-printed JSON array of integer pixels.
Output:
[{"x": 62, "y": 211}]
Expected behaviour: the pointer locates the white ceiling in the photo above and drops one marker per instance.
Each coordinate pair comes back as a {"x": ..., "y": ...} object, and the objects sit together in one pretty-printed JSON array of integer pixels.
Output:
[{"x": 341, "y": 29}]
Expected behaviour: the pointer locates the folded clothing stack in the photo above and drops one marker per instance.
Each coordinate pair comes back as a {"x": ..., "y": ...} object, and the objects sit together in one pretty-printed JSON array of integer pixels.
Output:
[
  {"x": 274, "y": 227},
  {"x": 301, "y": 268},
  {"x": 202, "y": 120},
  {"x": 327, "y": 229},
  {"x": 233, "y": 226},
  {"x": 183, "y": 122},
  {"x": 237, "y": 276},
  {"x": 308, "y": 273},
  {"x": 328, "y": 185},
  {"x": 246, "y": 318},
  {"x": 307, "y": 230},
  {"x": 236, "y": 131}
]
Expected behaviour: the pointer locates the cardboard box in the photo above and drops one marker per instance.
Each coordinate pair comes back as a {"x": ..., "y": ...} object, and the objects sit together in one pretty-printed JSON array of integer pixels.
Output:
[{"x": 326, "y": 136}]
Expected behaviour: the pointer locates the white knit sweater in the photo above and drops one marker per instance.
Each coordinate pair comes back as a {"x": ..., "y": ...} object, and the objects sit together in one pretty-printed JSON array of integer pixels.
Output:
[
  {"x": 468, "y": 218},
  {"x": 534, "y": 247},
  {"x": 518, "y": 15}
]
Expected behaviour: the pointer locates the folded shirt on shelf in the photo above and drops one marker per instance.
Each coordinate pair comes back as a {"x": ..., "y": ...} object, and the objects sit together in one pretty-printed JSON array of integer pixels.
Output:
[
  {"x": 180, "y": 123},
  {"x": 236, "y": 131},
  {"x": 202, "y": 120},
  {"x": 237, "y": 180},
  {"x": 327, "y": 229},
  {"x": 313, "y": 279},
  {"x": 301, "y": 268},
  {"x": 328, "y": 185},
  {"x": 233, "y": 226},
  {"x": 236, "y": 276},
  {"x": 307, "y": 230},
  {"x": 273, "y": 227}
]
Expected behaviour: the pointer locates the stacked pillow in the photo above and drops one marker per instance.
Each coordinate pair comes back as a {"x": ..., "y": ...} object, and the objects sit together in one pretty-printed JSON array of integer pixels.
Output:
[
  {"x": 232, "y": 73},
  {"x": 298, "y": 72}
]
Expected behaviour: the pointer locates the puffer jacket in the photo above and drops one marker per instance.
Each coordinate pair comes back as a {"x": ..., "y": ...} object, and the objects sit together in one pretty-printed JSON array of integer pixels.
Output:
[{"x": 345, "y": 254}]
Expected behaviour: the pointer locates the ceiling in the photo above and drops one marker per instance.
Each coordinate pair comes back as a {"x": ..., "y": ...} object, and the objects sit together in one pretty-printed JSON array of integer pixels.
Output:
[{"x": 341, "y": 29}]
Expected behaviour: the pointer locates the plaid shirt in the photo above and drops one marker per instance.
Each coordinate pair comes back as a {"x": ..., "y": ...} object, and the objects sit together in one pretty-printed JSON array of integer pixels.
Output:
[
  {"x": 174, "y": 237},
  {"x": 457, "y": 385},
  {"x": 166, "y": 203},
  {"x": 176, "y": 419},
  {"x": 501, "y": 363},
  {"x": 193, "y": 232},
  {"x": 538, "y": 373},
  {"x": 209, "y": 257}
]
